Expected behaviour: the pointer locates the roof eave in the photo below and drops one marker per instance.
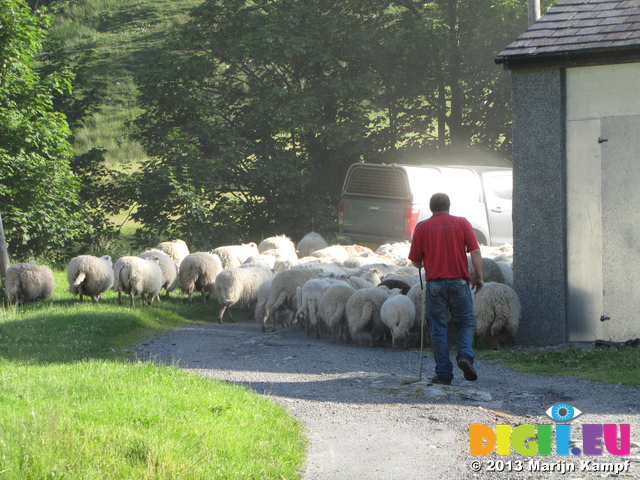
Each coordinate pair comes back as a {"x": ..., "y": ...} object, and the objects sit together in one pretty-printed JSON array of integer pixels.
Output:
[{"x": 570, "y": 58}]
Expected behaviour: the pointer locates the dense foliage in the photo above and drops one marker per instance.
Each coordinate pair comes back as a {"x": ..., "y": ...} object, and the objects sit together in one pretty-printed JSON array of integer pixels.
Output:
[
  {"x": 38, "y": 190},
  {"x": 249, "y": 113},
  {"x": 254, "y": 110}
]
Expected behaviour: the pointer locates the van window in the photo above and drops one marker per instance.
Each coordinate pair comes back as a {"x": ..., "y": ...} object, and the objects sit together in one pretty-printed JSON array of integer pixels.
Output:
[
  {"x": 424, "y": 183},
  {"x": 500, "y": 186},
  {"x": 463, "y": 186},
  {"x": 384, "y": 182}
]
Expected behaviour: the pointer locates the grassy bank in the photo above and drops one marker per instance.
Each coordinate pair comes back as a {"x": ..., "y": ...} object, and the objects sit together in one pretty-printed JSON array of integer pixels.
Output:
[
  {"x": 606, "y": 365},
  {"x": 73, "y": 405}
]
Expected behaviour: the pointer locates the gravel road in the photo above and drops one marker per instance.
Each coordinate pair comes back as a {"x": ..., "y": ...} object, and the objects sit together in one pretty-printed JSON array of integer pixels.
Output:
[{"x": 367, "y": 416}]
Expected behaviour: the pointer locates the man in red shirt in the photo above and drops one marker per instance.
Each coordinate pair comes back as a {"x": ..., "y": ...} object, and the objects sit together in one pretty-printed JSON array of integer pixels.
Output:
[{"x": 440, "y": 245}]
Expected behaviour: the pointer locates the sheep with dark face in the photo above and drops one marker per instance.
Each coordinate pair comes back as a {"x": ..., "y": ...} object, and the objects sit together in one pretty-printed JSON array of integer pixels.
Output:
[
  {"x": 89, "y": 275},
  {"x": 29, "y": 282},
  {"x": 138, "y": 276}
]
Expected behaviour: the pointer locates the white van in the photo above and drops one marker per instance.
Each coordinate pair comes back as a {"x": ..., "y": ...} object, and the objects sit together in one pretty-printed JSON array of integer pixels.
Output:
[{"x": 383, "y": 203}]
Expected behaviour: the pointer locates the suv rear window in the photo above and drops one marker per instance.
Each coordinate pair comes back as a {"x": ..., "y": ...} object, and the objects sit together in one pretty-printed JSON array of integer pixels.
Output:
[{"x": 383, "y": 182}]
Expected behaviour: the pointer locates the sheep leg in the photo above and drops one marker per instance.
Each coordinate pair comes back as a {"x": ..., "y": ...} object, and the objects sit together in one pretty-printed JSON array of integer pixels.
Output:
[
  {"x": 494, "y": 342},
  {"x": 119, "y": 297},
  {"x": 221, "y": 314},
  {"x": 132, "y": 294}
]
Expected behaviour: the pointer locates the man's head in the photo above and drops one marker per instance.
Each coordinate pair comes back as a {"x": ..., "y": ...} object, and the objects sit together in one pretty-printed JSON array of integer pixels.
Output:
[{"x": 439, "y": 202}]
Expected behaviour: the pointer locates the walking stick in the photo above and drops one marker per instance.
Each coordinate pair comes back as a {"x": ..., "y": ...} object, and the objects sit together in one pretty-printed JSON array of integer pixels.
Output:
[{"x": 424, "y": 314}]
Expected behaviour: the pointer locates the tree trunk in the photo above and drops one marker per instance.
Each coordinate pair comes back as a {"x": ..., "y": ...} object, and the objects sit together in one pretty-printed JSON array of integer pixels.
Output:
[
  {"x": 4, "y": 255},
  {"x": 456, "y": 135}
]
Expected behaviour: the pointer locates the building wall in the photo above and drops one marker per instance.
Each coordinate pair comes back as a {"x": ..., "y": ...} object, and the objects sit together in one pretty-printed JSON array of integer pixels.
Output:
[
  {"x": 539, "y": 204},
  {"x": 603, "y": 145},
  {"x": 576, "y": 205}
]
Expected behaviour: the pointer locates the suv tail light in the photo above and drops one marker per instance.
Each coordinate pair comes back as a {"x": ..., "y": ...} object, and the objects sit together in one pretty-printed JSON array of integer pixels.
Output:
[
  {"x": 410, "y": 219},
  {"x": 341, "y": 214}
]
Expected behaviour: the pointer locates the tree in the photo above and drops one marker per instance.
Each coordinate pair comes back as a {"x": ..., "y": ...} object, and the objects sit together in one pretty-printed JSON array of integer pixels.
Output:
[
  {"x": 38, "y": 191},
  {"x": 255, "y": 110}
]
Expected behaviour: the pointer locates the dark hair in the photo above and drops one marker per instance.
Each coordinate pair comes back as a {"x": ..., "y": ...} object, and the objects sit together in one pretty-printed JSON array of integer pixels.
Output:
[{"x": 439, "y": 202}]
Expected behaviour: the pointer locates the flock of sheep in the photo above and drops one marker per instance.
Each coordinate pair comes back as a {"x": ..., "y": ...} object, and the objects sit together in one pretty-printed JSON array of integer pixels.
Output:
[{"x": 346, "y": 290}]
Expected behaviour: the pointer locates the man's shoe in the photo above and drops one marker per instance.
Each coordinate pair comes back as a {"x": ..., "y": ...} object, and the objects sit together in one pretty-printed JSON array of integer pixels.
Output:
[
  {"x": 440, "y": 380},
  {"x": 467, "y": 368}
]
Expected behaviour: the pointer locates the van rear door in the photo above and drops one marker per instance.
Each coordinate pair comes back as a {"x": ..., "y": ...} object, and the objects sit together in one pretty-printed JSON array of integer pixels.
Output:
[{"x": 374, "y": 199}]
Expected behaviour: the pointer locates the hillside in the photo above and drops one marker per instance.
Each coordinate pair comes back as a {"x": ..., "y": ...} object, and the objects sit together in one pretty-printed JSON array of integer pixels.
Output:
[{"x": 108, "y": 41}]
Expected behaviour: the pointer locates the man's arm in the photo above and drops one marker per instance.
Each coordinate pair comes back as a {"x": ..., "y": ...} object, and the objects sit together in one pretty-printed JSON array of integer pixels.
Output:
[
  {"x": 417, "y": 264},
  {"x": 476, "y": 260}
]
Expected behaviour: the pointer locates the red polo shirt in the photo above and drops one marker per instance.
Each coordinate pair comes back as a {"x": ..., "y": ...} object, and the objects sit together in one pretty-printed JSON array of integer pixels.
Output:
[{"x": 441, "y": 243}]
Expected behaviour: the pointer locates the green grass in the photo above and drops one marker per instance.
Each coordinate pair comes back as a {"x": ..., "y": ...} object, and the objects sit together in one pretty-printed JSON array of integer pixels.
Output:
[
  {"x": 73, "y": 405},
  {"x": 110, "y": 41},
  {"x": 606, "y": 365}
]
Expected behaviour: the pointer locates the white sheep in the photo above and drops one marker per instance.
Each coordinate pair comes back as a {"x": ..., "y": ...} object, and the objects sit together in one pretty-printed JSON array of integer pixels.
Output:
[
  {"x": 239, "y": 286},
  {"x": 333, "y": 309},
  {"x": 260, "y": 311},
  {"x": 198, "y": 272},
  {"x": 169, "y": 269},
  {"x": 417, "y": 296},
  {"x": 496, "y": 308},
  {"x": 410, "y": 280},
  {"x": 356, "y": 262},
  {"x": 337, "y": 252},
  {"x": 323, "y": 268},
  {"x": 89, "y": 275},
  {"x": 280, "y": 242},
  {"x": 29, "y": 282},
  {"x": 507, "y": 272},
  {"x": 271, "y": 256},
  {"x": 233, "y": 256},
  {"x": 363, "y": 311},
  {"x": 311, "y": 242},
  {"x": 283, "y": 292},
  {"x": 491, "y": 272},
  {"x": 138, "y": 276},
  {"x": 373, "y": 276},
  {"x": 176, "y": 249},
  {"x": 398, "y": 313},
  {"x": 310, "y": 299}
]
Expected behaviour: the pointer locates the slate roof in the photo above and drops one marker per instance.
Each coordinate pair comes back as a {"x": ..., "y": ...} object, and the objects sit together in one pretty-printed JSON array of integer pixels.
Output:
[{"x": 578, "y": 32}]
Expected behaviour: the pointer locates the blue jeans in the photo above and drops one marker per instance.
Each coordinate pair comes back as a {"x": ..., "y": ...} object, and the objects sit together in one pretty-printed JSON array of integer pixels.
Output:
[{"x": 450, "y": 298}]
